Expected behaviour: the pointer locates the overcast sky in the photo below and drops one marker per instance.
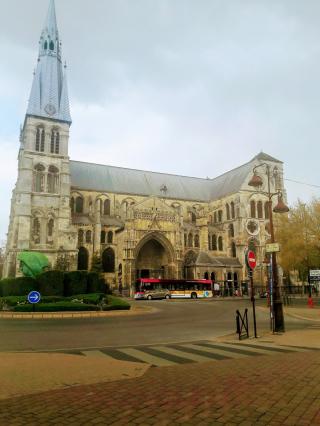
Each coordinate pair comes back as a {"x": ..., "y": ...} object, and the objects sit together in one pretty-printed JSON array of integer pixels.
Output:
[{"x": 192, "y": 87}]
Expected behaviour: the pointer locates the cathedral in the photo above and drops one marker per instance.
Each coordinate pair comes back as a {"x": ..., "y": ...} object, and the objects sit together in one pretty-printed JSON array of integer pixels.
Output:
[{"x": 141, "y": 223}]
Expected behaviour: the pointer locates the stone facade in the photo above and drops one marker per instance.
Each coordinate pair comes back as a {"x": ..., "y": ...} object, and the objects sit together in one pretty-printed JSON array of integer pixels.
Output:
[{"x": 142, "y": 224}]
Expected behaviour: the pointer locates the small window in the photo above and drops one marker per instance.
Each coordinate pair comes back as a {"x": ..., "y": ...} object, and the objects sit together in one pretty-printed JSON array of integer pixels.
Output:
[
  {"x": 51, "y": 45},
  {"x": 50, "y": 227},
  {"x": 40, "y": 139},
  {"x": 220, "y": 216},
  {"x": 36, "y": 230},
  {"x": 232, "y": 210},
  {"x": 53, "y": 180},
  {"x": 220, "y": 243},
  {"x": 214, "y": 242},
  {"x": 233, "y": 250},
  {"x": 88, "y": 237},
  {"x": 79, "y": 205},
  {"x": 228, "y": 211},
  {"x": 106, "y": 208},
  {"x": 45, "y": 46},
  {"x": 196, "y": 241},
  {"x": 110, "y": 237},
  {"x": 266, "y": 210},
  {"x": 55, "y": 142},
  {"x": 190, "y": 240},
  {"x": 260, "y": 210},
  {"x": 253, "y": 208},
  {"x": 103, "y": 237},
  {"x": 39, "y": 178}
]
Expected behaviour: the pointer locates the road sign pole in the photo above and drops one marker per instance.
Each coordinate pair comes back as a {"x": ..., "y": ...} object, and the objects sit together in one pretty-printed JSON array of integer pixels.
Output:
[{"x": 253, "y": 303}]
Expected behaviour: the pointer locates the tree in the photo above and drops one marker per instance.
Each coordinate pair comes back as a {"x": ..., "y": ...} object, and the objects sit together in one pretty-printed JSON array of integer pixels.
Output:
[
  {"x": 96, "y": 265},
  {"x": 299, "y": 236}
]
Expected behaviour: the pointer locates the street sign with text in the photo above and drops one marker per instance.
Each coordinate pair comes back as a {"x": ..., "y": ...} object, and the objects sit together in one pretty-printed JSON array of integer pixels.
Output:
[{"x": 272, "y": 248}]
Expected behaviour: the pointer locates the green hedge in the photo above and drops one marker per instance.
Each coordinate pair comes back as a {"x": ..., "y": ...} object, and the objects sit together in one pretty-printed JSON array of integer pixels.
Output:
[
  {"x": 114, "y": 303},
  {"x": 51, "y": 283},
  {"x": 55, "y": 307},
  {"x": 94, "y": 284},
  {"x": 20, "y": 286},
  {"x": 75, "y": 282},
  {"x": 93, "y": 298},
  {"x": 12, "y": 300}
]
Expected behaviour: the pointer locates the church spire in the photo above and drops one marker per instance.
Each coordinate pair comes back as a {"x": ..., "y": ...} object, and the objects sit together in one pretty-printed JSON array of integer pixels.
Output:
[{"x": 49, "y": 94}]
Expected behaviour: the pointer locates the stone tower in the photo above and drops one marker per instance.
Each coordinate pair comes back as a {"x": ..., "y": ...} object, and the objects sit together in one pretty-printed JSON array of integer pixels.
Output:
[{"x": 40, "y": 217}]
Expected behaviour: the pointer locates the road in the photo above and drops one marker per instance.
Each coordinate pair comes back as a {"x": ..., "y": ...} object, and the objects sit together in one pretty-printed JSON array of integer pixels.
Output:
[{"x": 173, "y": 322}]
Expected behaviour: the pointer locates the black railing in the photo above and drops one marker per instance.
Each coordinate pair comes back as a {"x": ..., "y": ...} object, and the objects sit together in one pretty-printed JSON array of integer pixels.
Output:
[{"x": 242, "y": 324}]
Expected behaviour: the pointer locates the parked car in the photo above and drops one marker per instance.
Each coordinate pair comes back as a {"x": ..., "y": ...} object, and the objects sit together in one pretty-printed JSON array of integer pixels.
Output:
[{"x": 156, "y": 293}]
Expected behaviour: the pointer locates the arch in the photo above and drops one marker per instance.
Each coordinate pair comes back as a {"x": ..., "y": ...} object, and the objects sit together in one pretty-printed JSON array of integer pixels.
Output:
[
  {"x": 233, "y": 215},
  {"x": 83, "y": 259},
  {"x": 108, "y": 260},
  {"x": 110, "y": 237},
  {"x": 252, "y": 208},
  {"x": 53, "y": 180},
  {"x": 39, "y": 178},
  {"x": 228, "y": 211},
  {"x": 103, "y": 237},
  {"x": 259, "y": 210},
  {"x": 88, "y": 237},
  {"x": 106, "y": 207},
  {"x": 79, "y": 204},
  {"x": 233, "y": 249},
  {"x": 220, "y": 243}
]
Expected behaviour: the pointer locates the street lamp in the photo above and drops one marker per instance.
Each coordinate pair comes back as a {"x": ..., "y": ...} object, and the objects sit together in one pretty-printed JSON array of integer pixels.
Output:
[{"x": 257, "y": 182}]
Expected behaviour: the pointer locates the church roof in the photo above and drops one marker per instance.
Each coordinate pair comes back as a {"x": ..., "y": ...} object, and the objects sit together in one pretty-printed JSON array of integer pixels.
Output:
[
  {"x": 104, "y": 178},
  {"x": 49, "y": 92}
]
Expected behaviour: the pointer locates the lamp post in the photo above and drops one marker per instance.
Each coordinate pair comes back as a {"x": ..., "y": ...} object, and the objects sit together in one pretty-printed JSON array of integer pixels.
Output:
[{"x": 256, "y": 182}]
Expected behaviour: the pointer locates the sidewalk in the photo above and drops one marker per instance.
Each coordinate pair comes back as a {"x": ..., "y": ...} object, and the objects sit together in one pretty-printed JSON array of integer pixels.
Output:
[{"x": 60, "y": 389}]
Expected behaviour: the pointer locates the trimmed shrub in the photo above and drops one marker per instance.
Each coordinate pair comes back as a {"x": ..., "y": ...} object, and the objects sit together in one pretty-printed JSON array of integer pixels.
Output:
[
  {"x": 94, "y": 284},
  {"x": 12, "y": 301},
  {"x": 75, "y": 282},
  {"x": 51, "y": 283},
  {"x": 56, "y": 307},
  {"x": 91, "y": 299},
  {"x": 114, "y": 303},
  {"x": 20, "y": 286}
]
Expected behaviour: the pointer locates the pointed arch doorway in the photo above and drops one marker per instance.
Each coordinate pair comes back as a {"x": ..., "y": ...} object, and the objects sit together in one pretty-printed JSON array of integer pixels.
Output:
[{"x": 154, "y": 258}]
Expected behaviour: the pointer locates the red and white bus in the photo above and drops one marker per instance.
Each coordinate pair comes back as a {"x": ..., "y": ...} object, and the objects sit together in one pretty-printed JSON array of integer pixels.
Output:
[{"x": 152, "y": 288}]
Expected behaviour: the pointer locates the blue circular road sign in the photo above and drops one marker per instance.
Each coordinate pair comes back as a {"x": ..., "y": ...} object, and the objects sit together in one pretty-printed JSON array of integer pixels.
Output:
[{"x": 34, "y": 297}]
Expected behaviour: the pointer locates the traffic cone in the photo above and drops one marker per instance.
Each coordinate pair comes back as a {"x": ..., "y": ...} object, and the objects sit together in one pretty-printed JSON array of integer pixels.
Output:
[{"x": 310, "y": 302}]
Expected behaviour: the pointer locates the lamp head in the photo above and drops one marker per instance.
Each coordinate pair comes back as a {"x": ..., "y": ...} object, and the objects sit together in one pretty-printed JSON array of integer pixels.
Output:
[
  {"x": 255, "y": 181},
  {"x": 280, "y": 207}
]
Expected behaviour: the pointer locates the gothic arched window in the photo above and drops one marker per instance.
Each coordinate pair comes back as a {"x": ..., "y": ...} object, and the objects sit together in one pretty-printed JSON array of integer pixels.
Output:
[
  {"x": 79, "y": 205},
  {"x": 39, "y": 178},
  {"x": 53, "y": 180},
  {"x": 108, "y": 262},
  {"x": 103, "y": 237},
  {"x": 228, "y": 211},
  {"x": 88, "y": 237},
  {"x": 214, "y": 242},
  {"x": 232, "y": 210},
  {"x": 50, "y": 227},
  {"x": 253, "y": 208},
  {"x": 40, "y": 139},
  {"x": 36, "y": 230},
  {"x": 233, "y": 249},
  {"x": 110, "y": 237},
  {"x": 106, "y": 208},
  {"x": 260, "y": 210},
  {"x": 80, "y": 236},
  {"x": 196, "y": 241},
  {"x": 55, "y": 142},
  {"x": 220, "y": 243}
]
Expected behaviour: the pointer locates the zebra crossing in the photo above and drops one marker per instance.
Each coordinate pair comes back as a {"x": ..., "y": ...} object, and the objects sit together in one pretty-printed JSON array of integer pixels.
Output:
[{"x": 161, "y": 355}]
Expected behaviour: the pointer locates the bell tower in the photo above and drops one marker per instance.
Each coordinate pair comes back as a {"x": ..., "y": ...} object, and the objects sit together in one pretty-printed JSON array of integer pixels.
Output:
[{"x": 40, "y": 217}]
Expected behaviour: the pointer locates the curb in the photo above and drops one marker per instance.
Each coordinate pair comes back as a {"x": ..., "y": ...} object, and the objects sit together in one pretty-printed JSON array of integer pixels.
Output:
[{"x": 71, "y": 315}]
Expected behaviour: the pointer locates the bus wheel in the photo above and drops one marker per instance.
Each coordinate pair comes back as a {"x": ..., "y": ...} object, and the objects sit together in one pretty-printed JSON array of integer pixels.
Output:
[
  {"x": 167, "y": 296},
  {"x": 193, "y": 295},
  {"x": 149, "y": 297}
]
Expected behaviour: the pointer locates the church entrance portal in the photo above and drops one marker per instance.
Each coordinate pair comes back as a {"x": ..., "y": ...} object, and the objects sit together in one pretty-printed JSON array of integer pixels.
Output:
[{"x": 152, "y": 261}]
